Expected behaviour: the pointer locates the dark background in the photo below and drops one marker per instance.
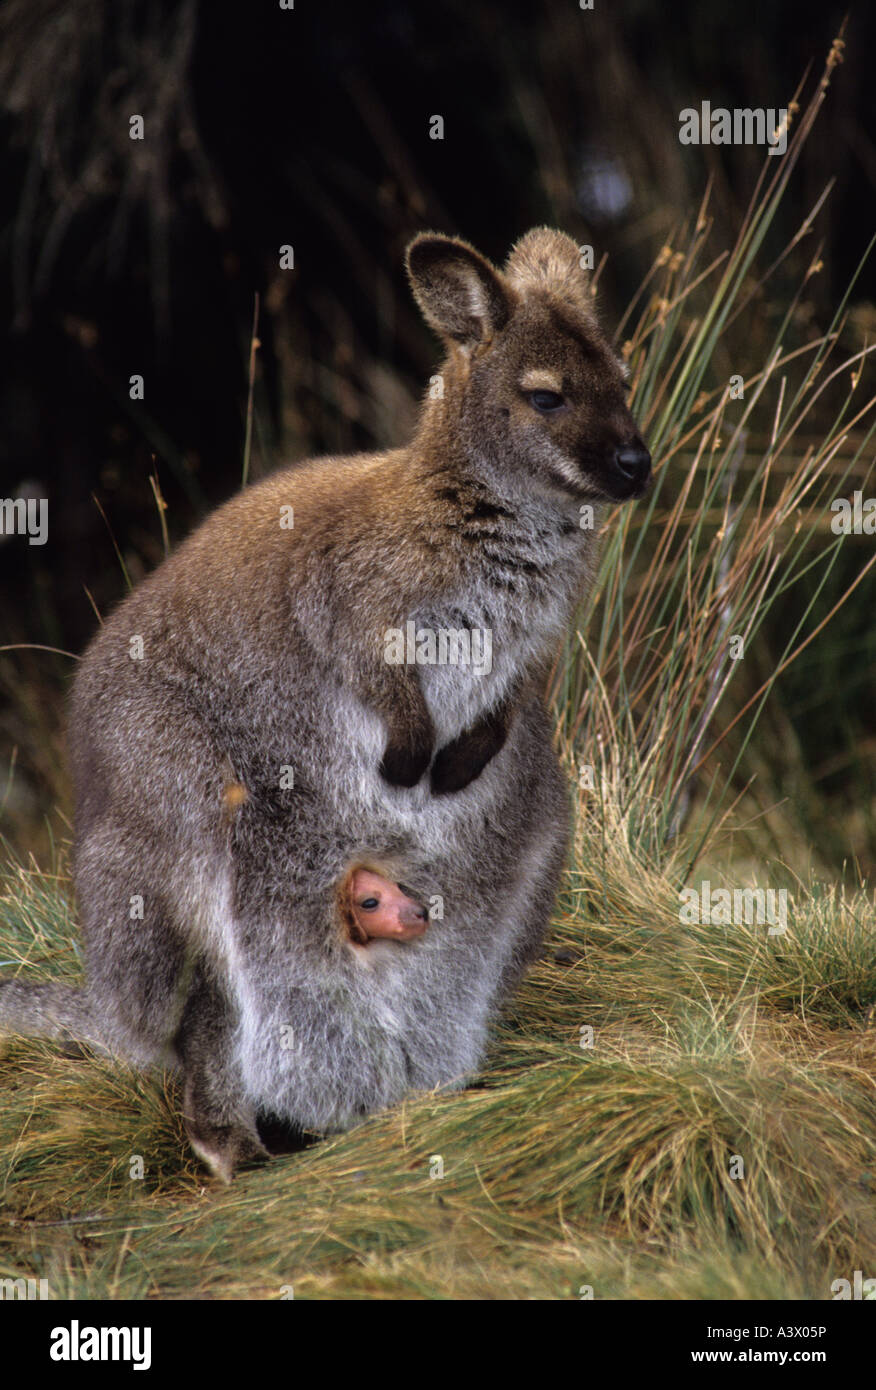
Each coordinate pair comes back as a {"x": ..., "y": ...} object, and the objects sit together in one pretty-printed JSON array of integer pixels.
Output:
[{"x": 311, "y": 127}]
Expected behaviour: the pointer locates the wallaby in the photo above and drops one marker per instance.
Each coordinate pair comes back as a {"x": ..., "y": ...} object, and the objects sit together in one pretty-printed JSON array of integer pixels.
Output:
[{"x": 240, "y": 738}]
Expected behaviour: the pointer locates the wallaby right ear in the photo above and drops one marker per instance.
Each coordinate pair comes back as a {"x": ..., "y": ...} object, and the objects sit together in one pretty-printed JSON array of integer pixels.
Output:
[{"x": 461, "y": 295}]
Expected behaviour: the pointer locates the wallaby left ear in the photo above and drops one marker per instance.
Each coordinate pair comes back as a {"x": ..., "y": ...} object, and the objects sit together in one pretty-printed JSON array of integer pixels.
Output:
[{"x": 460, "y": 294}]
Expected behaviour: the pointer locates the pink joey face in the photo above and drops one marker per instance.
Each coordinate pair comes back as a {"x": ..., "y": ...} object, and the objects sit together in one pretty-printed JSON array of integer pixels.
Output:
[{"x": 381, "y": 910}]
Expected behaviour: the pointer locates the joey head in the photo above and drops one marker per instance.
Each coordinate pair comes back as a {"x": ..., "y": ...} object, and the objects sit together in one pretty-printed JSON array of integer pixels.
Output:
[{"x": 373, "y": 907}]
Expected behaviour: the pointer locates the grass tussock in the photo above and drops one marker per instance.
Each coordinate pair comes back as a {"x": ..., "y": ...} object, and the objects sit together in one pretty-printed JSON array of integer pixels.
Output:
[
  {"x": 712, "y": 1138},
  {"x": 720, "y": 582}
]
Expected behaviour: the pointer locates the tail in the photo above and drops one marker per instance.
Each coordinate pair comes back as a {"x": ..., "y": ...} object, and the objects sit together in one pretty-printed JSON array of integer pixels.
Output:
[{"x": 50, "y": 1011}]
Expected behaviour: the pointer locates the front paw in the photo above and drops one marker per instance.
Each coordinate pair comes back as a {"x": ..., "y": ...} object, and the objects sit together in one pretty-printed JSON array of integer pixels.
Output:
[
  {"x": 454, "y": 768},
  {"x": 404, "y": 766}
]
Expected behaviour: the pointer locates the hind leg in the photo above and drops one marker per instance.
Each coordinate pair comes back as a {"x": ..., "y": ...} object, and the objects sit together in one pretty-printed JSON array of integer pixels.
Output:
[
  {"x": 157, "y": 1002},
  {"x": 152, "y": 822},
  {"x": 219, "y": 1121},
  {"x": 138, "y": 965}
]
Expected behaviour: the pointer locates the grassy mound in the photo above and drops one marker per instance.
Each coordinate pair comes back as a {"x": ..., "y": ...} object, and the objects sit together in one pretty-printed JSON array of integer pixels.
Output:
[{"x": 713, "y": 1137}]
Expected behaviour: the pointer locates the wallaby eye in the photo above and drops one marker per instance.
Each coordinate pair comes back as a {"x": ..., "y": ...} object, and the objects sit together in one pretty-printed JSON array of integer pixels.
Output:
[
  {"x": 369, "y": 904},
  {"x": 545, "y": 401}
]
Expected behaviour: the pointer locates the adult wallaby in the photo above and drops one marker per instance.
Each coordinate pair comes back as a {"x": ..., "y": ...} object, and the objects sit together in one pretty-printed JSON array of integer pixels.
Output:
[{"x": 239, "y": 739}]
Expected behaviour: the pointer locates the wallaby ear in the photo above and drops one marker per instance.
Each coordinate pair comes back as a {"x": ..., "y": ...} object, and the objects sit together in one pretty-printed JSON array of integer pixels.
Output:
[
  {"x": 460, "y": 294},
  {"x": 545, "y": 259}
]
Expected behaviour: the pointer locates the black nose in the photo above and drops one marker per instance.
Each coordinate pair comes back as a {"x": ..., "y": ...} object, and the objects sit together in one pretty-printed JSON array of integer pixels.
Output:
[{"x": 634, "y": 461}]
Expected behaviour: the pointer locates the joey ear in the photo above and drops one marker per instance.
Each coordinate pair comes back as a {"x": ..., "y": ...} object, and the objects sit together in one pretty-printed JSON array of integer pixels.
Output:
[{"x": 460, "y": 294}]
